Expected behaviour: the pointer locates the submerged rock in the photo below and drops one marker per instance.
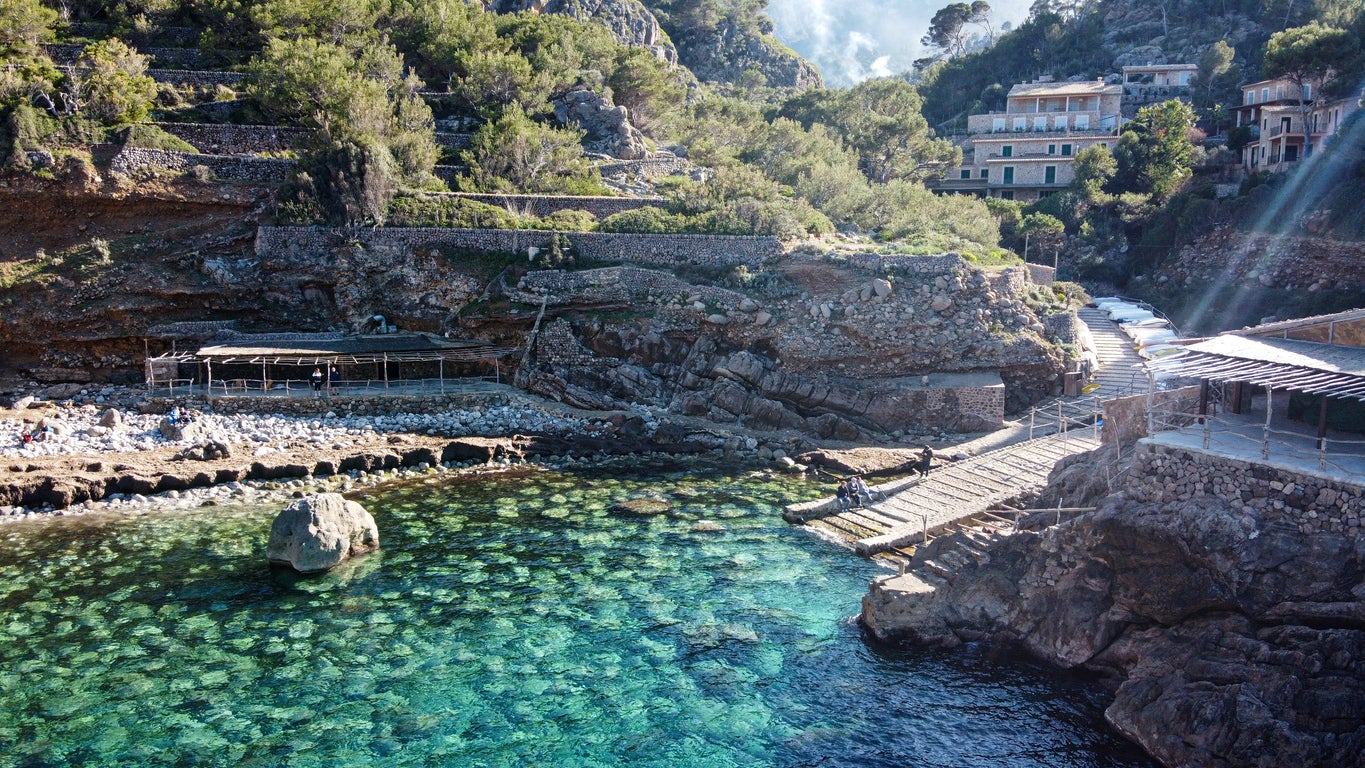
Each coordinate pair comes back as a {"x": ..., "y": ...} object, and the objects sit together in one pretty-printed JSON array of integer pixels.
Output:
[
  {"x": 645, "y": 506},
  {"x": 319, "y": 532}
]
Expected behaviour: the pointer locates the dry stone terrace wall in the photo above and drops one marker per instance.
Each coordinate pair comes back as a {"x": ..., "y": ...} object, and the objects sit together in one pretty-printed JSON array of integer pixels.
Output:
[
  {"x": 132, "y": 160},
  {"x": 543, "y": 205},
  {"x": 662, "y": 250},
  {"x": 1279, "y": 261},
  {"x": 619, "y": 284},
  {"x": 1309, "y": 503},
  {"x": 219, "y": 139}
]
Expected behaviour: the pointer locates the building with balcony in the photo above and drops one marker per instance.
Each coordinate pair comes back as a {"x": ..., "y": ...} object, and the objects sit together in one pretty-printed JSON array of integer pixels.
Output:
[
  {"x": 1026, "y": 152},
  {"x": 1153, "y": 83},
  {"x": 1271, "y": 109}
]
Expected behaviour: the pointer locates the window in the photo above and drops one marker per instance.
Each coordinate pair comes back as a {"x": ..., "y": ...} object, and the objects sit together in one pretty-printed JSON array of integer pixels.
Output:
[
  {"x": 1050, "y": 174},
  {"x": 1251, "y": 97},
  {"x": 1082, "y": 122},
  {"x": 1052, "y": 149},
  {"x": 1020, "y": 123},
  {"x": 1061, "y": 122},
  {"x": 1007, "y": 194},
  {"x": 1307, "y": 91},
  {"x": 1279, "y": 91},
  {"x": 1007, "y": 150},
  {"x": 966, "y": 173},
  {"x": 1009, "y": 175},
  {"x": 998, "y": 125},
  {"x": 1040, "y": 123},
  {"x": 1066, "y": 150},
  {"x": 1184, "y": 78},
  {"x": 985, "y": 173},
  {"x": 1265, "y": 94}
]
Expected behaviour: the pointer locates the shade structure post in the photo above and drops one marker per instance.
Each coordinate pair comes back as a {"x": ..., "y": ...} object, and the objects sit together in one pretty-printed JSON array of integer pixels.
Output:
[
  {"x": 441, "y": 372},
  {"x": 386, "y": 371},
  {"x": 497, "y": 372},
  {"x": 208, "y": 392},
  {"x": 265, "y": 385},
  {"x": 1265, "y": 431}
]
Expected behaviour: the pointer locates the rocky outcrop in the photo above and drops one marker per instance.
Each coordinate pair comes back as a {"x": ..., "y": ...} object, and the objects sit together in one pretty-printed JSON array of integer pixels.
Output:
[
  {"x": 1235, "y": 636},
  {"x": 319, "y": 532},
  {"x": 727, "y": 55},
  {"x": 629, "y": 21},
  {"x": 606, "y": 127},
  {"x": 845, "y": 359}
]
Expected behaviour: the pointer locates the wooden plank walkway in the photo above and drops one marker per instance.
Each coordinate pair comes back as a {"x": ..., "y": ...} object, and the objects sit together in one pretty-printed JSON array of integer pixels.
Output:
[
  {"x": 966, "y": 489},
  {"x": 951, "y": 493}
]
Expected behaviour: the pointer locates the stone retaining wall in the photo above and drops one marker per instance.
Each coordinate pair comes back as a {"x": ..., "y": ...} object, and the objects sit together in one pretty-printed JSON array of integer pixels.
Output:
[
  {"x": 388, "y": 405},
  {"x": 453, "y": 140},
  {"x": 1125, "y": 418},
  {"x": 649, "y": 168},
  {"x": 132, "y": 160},
  {"x": 1041, "y": 275},
  {"x": 664, "y": 250},
  {"x": 626, "y": 285},
  {"x": 1311, "y": 504},
  {"x": 195, "y": 77},
  {"x": 218, "y": 139}
]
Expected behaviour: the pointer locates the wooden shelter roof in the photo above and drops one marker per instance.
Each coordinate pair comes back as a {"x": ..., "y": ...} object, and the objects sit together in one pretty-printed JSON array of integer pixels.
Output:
[
  {"x": 351, "y": 350},
  {"x": 1304, "y": 366}
]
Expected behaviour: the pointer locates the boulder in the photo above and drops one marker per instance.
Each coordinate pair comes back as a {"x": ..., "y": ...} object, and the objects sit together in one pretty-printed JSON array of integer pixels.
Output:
[
  {"x": 182, "y": 431},
  {"x": 112, "y": 418},
  {"x": 607, "y": 126},
  {"x": 318, "y": 532}
]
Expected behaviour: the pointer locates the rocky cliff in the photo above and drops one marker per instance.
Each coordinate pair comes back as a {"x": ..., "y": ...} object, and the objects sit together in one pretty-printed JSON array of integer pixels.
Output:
[
  {"x": 629, "y": 21},
  {"x": 826, "y": 345},
  {"x": 1225, "y": 600}
]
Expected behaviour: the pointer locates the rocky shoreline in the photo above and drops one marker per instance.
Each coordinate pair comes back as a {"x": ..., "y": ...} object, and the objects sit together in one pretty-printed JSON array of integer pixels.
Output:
[
  {"x": 1230, "y": 625},
  {"x": 118, "y": 450}
]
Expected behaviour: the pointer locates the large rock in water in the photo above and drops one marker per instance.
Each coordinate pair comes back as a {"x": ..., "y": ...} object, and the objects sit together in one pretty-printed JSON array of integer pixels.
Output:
[
  {"x": 319, "y": 532},
  {"x": 1236, "y": 639}
]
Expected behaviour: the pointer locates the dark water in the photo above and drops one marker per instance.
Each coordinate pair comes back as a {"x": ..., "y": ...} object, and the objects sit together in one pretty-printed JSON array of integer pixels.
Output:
[{"x": 507, "y": 622}]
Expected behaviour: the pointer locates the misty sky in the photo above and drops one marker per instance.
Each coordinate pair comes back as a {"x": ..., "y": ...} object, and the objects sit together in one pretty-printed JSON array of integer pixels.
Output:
[{"x": 852, "y": 40}]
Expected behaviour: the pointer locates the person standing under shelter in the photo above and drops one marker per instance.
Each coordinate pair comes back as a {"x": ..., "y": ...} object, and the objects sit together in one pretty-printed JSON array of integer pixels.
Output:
[
  {"x": 332, "y": 378},
  {"x": 316, "y": 378}
]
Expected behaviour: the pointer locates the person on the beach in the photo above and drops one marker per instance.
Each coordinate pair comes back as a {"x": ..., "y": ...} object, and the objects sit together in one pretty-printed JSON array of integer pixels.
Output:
[
  {"x": 841, "y": 495},
  {"x": 25, "y": 437},
  {"x": 44, "y": 430},
  {"x": 316, "y": 378},
  {"x": 926, "y": 459}
]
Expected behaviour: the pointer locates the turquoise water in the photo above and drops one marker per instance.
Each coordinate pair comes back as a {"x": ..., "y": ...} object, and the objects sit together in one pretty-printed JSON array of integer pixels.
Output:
[{"x": 508, "y": 621}]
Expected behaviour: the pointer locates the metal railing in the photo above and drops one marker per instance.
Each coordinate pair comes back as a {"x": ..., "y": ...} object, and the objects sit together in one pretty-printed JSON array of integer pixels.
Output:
[{"x": 1236, "y": 436}]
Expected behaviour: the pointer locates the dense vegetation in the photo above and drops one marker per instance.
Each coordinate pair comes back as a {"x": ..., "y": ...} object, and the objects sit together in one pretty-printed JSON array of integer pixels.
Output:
[{"x": 370, "y": 79}]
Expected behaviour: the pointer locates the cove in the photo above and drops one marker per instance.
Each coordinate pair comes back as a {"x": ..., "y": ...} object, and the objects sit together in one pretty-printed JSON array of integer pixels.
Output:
[{"x": 510, "y": 620}]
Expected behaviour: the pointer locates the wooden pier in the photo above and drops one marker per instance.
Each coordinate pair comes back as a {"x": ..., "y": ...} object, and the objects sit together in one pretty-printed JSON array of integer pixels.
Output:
[{"x": 971, "y": 493}]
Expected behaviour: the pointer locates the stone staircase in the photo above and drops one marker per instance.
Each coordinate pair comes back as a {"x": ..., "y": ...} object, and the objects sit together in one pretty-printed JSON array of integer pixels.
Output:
[{"x": 1120, "y": 370}]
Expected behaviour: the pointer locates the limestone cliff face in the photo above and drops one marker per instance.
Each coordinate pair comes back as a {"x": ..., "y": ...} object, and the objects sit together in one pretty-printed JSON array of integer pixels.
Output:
[
  {"x": 1232, "y": 620},
  {"x": 728, "y": 56},
  {"x": 832, "y": 350},
  {"x": 629, "y": 21}
]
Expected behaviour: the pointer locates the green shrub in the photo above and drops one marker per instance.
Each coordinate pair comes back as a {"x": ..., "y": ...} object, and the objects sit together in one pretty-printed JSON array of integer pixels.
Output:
[
  {"x": 567, "y": 221},
  {"x": 446, "y": 211},
  {"x": 148, "y": 136},
  {"x": 649, "y": 219}
]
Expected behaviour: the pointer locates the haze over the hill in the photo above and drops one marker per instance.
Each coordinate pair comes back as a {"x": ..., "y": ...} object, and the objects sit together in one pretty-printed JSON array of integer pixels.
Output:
[{"x": 852, "y": 41}]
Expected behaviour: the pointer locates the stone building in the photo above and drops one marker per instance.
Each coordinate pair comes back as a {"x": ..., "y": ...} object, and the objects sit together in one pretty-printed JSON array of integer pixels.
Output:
[
  {"x": 1273, "y": 111},
  {"x": 1026, "y": 152}
]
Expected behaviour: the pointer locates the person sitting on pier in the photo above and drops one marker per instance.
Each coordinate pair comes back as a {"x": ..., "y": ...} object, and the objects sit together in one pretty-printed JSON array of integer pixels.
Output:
[
  {"x": 842, "y": 496},
  {"x": 860, "y": 490}
]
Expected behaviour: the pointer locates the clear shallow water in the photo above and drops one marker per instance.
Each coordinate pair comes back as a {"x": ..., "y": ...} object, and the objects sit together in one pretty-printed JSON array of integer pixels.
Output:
[{"x": 513, "y": 621}]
